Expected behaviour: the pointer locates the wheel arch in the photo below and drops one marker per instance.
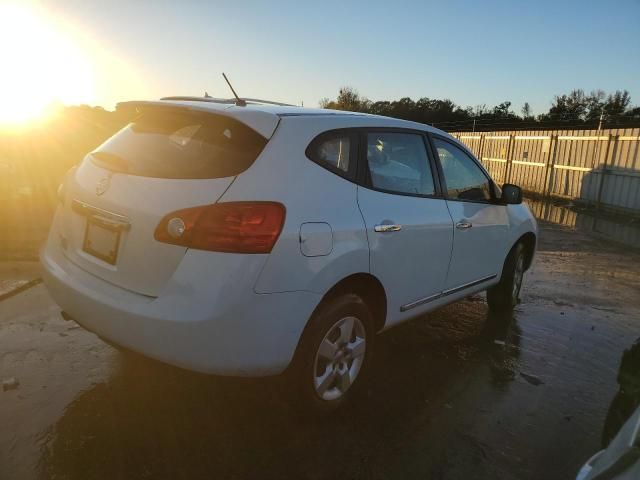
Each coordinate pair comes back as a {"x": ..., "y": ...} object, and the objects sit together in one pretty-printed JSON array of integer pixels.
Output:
[
  {"x": 369, "y": 288},
  {"x": 363, "y": 284}
]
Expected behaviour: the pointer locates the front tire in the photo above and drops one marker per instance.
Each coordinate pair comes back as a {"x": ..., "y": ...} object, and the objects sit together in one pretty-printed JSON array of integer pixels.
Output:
[
  {"x": 506, "y": 294},
  {"x": 334, "y": 355}
]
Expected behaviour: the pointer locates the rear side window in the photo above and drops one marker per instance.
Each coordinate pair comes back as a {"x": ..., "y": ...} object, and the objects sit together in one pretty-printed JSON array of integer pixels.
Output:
[
  {"x": 334, "y": 150},
  {"x": 180, "y": 145},
  {"x": 398, "y": 163}
]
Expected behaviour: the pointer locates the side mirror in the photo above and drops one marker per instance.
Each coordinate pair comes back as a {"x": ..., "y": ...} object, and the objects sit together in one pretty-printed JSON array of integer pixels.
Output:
[{"x": 511, "y": 194}]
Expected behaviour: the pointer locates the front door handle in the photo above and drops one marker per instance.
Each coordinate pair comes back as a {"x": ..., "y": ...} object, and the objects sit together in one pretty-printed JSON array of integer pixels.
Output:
[
  {"x": 387, "y": 228},
  {"x": 463, "y": 225}
]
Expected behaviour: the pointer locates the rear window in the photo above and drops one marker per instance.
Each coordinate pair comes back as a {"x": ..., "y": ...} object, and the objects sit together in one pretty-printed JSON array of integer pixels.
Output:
[{"x": 178, "y": 145}]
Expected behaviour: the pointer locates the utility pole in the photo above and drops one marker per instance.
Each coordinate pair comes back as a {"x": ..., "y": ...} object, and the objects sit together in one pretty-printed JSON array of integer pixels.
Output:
[
  {"x": 596, "y": 148},
  {"x": 474, "y": 125}
]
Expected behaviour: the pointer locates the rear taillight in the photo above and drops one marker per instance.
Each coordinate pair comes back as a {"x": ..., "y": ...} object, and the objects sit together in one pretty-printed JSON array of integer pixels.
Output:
[{"x": 237, "y": 227}]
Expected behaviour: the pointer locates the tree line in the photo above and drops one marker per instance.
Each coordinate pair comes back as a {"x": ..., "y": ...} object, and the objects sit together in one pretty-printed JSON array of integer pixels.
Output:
[{"x": 575, "y": 109}]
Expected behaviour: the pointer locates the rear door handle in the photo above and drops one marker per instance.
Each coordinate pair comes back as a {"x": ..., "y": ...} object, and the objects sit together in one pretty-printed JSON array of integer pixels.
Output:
[
  {"x": 463, "y": 225},
  {"x": 387, "y": 228}
]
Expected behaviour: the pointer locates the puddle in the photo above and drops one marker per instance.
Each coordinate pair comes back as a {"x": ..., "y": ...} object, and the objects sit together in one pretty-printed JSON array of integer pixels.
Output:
[{"x": 621, "y": 229}]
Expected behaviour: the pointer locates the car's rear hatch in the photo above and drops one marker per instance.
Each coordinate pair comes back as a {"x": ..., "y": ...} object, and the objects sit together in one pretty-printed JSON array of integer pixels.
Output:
[{"x": 165, "y": 160}]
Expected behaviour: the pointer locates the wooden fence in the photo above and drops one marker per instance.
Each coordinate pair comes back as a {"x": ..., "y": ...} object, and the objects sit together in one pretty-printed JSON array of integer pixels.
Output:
[{"x": 598, "y": 167}]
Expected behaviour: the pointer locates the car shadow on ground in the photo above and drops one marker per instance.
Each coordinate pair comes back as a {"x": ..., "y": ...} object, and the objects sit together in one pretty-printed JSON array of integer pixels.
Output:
[{"x": 150, "y": 420}]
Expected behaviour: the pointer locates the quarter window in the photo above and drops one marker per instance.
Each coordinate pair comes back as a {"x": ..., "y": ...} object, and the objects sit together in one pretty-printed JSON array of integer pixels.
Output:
[
  {"x": 398, "y": 163},
  {"x": 332, "y": 150},
  {"x": 464, "y": 179}
]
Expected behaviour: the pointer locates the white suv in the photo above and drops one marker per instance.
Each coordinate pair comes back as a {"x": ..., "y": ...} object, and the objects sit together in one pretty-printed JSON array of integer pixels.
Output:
[{"x": 252, "y": 239}]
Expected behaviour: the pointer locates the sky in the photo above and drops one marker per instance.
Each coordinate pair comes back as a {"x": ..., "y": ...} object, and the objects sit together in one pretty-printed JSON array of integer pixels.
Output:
[{"x": 471, "y": 52}]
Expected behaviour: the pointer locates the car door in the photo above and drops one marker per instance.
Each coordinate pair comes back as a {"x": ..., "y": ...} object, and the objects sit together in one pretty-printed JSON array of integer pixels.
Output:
[
  {"x": 481, "y": 224},
  {"x": 409, "y": 229}
]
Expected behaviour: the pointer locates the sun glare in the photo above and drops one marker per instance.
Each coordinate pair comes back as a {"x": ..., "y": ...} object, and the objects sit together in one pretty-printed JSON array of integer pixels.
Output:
[{"x": 41, "y": 66}]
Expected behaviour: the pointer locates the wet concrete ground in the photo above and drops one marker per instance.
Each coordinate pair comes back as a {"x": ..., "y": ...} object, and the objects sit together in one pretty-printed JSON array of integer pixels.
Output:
[{"x": 459, "y": 394}]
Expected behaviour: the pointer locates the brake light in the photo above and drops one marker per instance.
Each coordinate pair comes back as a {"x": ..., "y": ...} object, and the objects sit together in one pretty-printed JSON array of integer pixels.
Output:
[{"x": 237, "y": 227}]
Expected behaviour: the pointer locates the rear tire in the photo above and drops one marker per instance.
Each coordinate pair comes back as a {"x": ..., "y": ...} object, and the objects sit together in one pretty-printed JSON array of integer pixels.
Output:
[
  {"x": 506, "y": 294},
  {"x": 334, "y": 355}
]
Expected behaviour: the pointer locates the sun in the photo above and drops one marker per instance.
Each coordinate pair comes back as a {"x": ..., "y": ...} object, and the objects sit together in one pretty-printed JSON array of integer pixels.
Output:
[{"x": 41, "y": 66}]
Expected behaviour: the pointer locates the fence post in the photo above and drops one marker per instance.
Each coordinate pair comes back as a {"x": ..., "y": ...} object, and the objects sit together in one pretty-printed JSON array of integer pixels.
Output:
[
  {"x": 480, "y": 148},
  {"x": 605, "y": 165},
  {"x": 509, "y": 158},
  {"x": 553, "y": 148}
]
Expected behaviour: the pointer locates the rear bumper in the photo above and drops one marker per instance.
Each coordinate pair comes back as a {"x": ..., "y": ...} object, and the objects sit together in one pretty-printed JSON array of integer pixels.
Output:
[{"x": 212, "y": 325}]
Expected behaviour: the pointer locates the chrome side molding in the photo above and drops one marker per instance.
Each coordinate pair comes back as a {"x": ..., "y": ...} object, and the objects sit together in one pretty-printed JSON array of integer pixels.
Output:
[
  {"x": 422, "y": 301},
  {"x": 444, "y": 293},
  {"x": 468, "y": 285}
]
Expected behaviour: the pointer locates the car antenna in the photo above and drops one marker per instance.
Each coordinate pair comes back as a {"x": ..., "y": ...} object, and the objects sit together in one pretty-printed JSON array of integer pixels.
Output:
[{"x": 239, "y": 102}]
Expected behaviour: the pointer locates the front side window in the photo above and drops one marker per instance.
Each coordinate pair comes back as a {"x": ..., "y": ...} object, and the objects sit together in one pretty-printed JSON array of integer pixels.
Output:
[
  {"x": 333, "y": 150},
  {"x": 464, "y": 179},
  {"x": 398, "y": 163}
]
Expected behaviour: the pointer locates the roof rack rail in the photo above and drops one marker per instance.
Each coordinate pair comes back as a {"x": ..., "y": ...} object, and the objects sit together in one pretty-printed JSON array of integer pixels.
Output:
[
  {"x": 199, "y": 99},
  {"x": 224, "y": 100},
  {"x": 268, "y": 102}
]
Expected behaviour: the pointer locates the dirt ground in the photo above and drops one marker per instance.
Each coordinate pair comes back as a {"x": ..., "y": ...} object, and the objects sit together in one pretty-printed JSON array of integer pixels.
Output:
[{"x": 458, "y": 394}]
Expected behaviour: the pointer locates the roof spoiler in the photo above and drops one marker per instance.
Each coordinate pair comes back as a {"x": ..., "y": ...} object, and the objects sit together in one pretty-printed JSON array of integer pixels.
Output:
[{"x": 264, "y": 123}]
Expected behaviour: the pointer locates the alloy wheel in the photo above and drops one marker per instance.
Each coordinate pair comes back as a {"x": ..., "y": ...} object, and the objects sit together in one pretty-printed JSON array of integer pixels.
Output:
[{"x": 339, "y": 358}]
